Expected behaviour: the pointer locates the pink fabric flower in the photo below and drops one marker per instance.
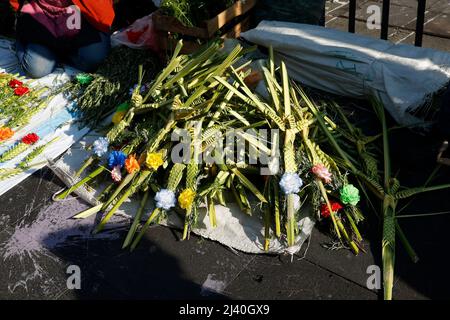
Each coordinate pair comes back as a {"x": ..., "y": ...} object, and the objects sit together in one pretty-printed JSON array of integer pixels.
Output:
[
  {"x": 322, "y": 173},
  {"x": 116, "y": 175}
]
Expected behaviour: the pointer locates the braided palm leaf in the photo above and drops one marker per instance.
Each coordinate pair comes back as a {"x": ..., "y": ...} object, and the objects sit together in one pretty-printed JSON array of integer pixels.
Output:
[
  {"x": 175, "y": 176},
  {"x": 14, "y": 151},
  {"x": 191, "y": 184},
  {"x": 395, "y": 185},
  {"x": 117, "y": 130},
  {"x": 289, "y": 152},
  {"x": 34, "y": 154},
  {"x": 413, "y": 191},
  {"x": 290, "y": 166},
  {"x": 388, "y": 252},
  {"x": 322, "y": 157},
  {"x": 9, "y": 173},
  {"x": 26, "y": 116},
  {"x": 371, "y": 166},
  {"x": 132, "y": 189}
]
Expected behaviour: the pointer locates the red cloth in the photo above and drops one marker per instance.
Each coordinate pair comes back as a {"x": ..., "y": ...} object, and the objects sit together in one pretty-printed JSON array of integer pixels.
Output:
[{"x": 99, "y": 13}]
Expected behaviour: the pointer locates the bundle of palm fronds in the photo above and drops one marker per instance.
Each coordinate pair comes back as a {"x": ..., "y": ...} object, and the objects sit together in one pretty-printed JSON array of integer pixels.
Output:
[
  {"x": 206, "y": 97},
  {"x": 282, "y": 154},
  {"x": 97, "y": 94}
]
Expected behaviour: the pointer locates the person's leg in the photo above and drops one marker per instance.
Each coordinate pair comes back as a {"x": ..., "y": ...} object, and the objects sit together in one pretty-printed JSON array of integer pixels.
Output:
[
  {"x": 35, "y": 60},
  {"x": 89, "y": 57}
]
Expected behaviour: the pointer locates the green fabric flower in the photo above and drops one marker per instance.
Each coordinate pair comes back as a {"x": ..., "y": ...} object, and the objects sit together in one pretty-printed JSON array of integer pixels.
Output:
[
  {"x": 350, "y": 195},
  {"x": 123, "y": 107},
  {"x": 84, "y": 78}
]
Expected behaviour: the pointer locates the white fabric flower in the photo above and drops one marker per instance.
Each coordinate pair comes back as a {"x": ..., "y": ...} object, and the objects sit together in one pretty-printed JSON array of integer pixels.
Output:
[
  {"x": 116, "y": 175},
  {"x": 165, "y": 199},
  {"x": 290, "y": 183},
  {"x": 296, "y": 202},
  {"x": 100, "y": 146}
]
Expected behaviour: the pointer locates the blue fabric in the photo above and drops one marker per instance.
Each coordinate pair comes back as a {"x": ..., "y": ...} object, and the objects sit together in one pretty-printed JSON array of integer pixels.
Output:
[
  {"x": 37, "y": 60},
  {"x": 89, "y": 57}
]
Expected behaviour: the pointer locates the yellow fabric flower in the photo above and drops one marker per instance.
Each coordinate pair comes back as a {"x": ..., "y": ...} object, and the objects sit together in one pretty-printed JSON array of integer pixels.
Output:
[
  {"x": 131, "y": 164},
  {"x": 118, "y": 116},
  {"x": 186, "y": 198},
  {"x": 154, "y": 160}
]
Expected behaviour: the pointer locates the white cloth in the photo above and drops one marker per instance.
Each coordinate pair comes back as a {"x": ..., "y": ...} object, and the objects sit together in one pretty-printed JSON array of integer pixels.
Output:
[{"x": 404, "y": 77}]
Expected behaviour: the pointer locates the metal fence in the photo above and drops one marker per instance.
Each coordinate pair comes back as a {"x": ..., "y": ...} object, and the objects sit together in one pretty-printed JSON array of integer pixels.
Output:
[{"x": 421, "y": 5}]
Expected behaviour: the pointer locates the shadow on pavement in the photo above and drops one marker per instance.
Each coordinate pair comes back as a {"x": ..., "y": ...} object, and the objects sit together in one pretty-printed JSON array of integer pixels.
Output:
[{"x": 108, "y": 272}]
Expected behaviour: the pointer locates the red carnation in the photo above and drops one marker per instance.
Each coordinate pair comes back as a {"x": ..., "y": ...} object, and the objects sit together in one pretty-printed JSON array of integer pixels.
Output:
[
  {"x": 335, "y": 206},
  {"x": 30, "y": 138},
  {"x": 20, "y": 91},
  {"x": 15, "y": 83}
]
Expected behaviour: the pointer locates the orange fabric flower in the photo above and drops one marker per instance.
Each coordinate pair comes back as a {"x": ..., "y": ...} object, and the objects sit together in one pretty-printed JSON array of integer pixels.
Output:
[
  {"x": 5, "y": 133},
  {"x": 131, "y": 164}
]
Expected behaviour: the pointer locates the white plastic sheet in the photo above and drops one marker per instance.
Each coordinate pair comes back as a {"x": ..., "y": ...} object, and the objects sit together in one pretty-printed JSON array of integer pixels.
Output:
[{"x": 404, "y": 77}]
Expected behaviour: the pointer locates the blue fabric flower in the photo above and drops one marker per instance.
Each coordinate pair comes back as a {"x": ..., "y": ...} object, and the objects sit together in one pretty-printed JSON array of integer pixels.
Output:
[
  {"x": 100, "y": 146},
  {"x": 116, "y": 158},
  {"x": 290, "y": 183},
  {"x": 142, "y": 90}
]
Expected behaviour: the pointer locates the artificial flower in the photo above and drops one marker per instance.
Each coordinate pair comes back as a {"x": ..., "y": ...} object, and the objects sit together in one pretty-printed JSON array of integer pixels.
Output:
[
  {"x": 83, "y": 78},
  {"x": 118, "y": 116},
  {"x": 290, "y": 183},
  {"x": 349, "y": 195},
  {"x": 297, "y": 203},
  {"x": 20, "y": 91},
  {"x": 322, "y": 173},
  {"x": 131, "y": 164},
  {"x": 154, "y": 160},
  {"x": 141, "y": 91},
  {"x": 165, "y": 199},
  {"x": 15, "y": 83},
  {"x": 116, "y": 158},
  {"x": 186, "y": 198},
  {"x": 116, "y": 175},
  {"x": 123, "y": 106},
  {"x": 30, "y": 138},
  {"x": 5, "y": 133},
  {"x": 100, "y": 146},
  {"x": 325, "y": 211}
]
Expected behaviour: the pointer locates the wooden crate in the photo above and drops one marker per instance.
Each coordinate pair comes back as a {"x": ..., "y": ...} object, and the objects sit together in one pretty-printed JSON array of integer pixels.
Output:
[{"x": 167, "y": 27}]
